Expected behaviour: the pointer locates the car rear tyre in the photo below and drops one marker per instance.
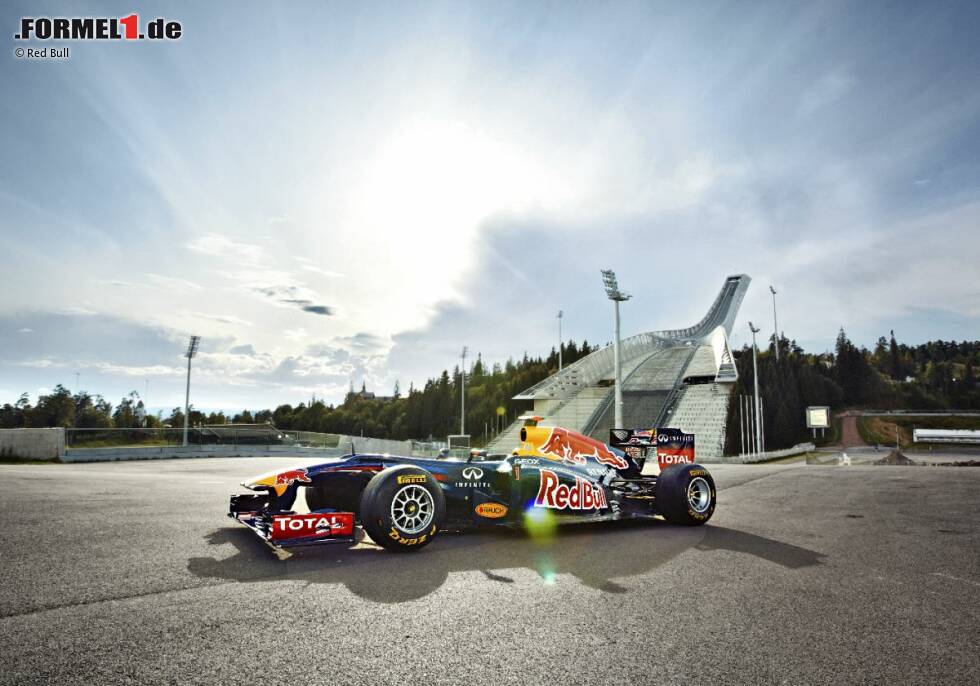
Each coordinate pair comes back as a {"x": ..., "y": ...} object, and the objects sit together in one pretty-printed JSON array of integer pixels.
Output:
[
  {"x": 686, "y": 494},
  {"x": 402, "y": 508}
]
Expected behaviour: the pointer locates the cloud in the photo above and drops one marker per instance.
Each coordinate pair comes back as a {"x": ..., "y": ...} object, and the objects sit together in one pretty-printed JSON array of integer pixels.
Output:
[
  {"x": 77, "y": 310},
  {"x": 140, "y": 371},
  {"x": 117, "y": 283},
  {"x": 25, "y": 330},
  {"x": 221, "y": 318},
  {"x": 287, "y": 295},
  {"x": 318, "y": 309},
  {"x": 364, "y": 343},
  {"x": 242, "y": 350},
  {"x": 321, "y": 272},
  {"x": 216, "y": 245},
  {"x": 173, "y": 283}
]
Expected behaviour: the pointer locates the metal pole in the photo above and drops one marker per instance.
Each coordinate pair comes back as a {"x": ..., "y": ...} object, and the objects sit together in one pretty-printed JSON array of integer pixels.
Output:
[
  {"x": 462, "y": 395},
  {"x": 762, "y": 425},
  {"x": 741, "y": 420},
  {"x": 755, "y": 379},
  {"x": 619, "y": 372},
  {"x": 559, "y": 339},
  {"x": 775, "y": 323},
  {"x": 187, "y": 399},
  {"x": 617, "y": 296}
]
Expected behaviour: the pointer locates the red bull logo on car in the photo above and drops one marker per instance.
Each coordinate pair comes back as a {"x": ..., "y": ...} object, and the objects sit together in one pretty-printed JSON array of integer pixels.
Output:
[
  {"x": 574, "y": 448},
  {"x": 583, "y": 495},
  {"x": 290, "y": 476}
]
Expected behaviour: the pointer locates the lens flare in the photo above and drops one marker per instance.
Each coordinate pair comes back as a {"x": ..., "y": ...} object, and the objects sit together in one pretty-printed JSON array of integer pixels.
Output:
[{"x": 541, "y": 524}]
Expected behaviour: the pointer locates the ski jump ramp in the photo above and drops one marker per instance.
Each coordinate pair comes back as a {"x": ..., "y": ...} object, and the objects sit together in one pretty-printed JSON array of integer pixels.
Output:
[{"x": 679, "y": 378}]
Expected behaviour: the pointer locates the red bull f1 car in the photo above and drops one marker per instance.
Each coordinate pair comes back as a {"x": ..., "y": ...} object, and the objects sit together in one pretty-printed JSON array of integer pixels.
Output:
[{"x": 402, "y": 503}]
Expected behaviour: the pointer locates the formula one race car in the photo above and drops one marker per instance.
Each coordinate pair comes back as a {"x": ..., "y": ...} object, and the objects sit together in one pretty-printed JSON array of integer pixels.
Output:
[{"x": 403, "y": 502}]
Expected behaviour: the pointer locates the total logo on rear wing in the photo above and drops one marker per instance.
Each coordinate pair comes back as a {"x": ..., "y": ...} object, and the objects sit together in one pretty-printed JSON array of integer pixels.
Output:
[{"x": 668, "y": 446}]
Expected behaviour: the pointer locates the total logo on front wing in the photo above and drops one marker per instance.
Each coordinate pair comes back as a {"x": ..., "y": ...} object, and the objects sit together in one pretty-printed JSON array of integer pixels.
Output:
[{"x": 286, "y": 527}]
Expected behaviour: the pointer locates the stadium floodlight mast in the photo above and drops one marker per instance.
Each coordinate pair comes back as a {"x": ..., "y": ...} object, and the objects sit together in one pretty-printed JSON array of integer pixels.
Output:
[
  {"x": 775, "y": 323},
  {"x": 617, "y": 296},
  {"x": 560, "y": 314},
  {"x": 462, "y": 395},
  {"x": 755, "y": 379},
  {"x": 191, "y": 352}
]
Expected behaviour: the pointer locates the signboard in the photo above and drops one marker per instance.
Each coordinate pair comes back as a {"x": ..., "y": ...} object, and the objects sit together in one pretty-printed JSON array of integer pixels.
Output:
[
  {"x": 818, "y": 417},
  {"x": 669, "y": 446}
]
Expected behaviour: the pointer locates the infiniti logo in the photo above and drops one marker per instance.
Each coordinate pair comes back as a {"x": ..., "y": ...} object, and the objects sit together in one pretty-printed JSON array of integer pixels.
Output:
[{"x": 472, "y": 473}]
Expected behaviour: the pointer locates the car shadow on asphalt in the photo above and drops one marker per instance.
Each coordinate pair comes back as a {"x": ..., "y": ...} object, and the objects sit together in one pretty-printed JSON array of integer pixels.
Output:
[{"x": 601, "y": 555}]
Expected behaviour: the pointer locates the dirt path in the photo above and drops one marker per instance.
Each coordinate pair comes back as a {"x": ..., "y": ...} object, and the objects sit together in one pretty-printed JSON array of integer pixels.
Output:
[{"x": 850, "y": 437}]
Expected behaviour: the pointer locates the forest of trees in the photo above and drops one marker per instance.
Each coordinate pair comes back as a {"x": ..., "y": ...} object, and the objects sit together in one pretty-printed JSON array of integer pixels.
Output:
[
  {"x": 431, "y": 411},
  {"x": 934, "y": 375}
]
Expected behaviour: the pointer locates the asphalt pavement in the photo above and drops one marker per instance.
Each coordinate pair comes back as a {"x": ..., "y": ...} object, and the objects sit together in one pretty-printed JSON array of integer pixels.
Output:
[{"x": 131, "y": 573}]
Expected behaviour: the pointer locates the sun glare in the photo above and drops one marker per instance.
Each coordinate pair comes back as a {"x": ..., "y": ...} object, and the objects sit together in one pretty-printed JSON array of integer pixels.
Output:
[{"x": 427, "y": 192}]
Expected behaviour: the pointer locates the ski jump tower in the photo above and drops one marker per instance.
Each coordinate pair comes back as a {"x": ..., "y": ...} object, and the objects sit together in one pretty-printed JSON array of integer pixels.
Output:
[{"x": 679, "y": 378}]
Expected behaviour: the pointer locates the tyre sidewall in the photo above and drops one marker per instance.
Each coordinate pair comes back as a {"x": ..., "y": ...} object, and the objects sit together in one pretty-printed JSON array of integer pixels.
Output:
[
  {"x": 376, "y": 507},
  {"x": 672, "y": 502}
]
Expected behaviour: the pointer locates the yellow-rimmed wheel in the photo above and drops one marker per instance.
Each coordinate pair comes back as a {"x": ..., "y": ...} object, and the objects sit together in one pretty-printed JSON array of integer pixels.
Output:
[
  {"x": 402, "y": 508},
  {"x": 686, "y": 494}
]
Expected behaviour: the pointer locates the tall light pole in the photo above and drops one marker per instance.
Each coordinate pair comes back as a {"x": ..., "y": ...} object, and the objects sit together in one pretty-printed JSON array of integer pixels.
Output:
[
  {"x": 462, "y": 395},
  {"x": 775, "y": 324},
  {"x": 560, "y": 313},
  {"x": 755, "y": 378},
  {"x": 617, "y": 296},
  {"x": 191, "y": 352}
]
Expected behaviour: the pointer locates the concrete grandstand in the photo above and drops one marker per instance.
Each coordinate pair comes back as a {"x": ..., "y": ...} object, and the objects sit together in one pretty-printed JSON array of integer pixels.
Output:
[{"x": 679, "y": 378}]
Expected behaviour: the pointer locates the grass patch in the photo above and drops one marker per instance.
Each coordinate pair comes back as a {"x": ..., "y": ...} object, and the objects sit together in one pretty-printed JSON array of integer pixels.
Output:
[
  {"x": 882, "y": 430},
  {"x": 26, "y": 460}
]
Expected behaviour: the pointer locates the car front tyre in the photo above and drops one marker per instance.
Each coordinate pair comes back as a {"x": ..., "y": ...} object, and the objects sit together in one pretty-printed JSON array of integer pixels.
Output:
[{"x": 402, "y": 508}]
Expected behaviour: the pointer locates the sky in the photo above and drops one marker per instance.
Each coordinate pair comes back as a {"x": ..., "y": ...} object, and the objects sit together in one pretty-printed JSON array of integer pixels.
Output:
[{"x": 339, "y": 192}]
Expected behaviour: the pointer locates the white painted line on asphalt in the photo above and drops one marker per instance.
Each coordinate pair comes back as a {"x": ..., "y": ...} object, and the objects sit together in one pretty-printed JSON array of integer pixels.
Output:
[{"x": 956, "y": 578}]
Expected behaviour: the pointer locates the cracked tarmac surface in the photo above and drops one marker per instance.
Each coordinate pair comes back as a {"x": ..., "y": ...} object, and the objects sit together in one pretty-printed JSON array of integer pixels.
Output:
[{"x": 131, "y": 573}]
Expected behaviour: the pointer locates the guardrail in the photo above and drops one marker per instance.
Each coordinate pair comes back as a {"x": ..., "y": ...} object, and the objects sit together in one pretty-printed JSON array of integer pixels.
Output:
[
  {"x": 260, "y": 434},
  {"x": 798, "y": 449}
]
